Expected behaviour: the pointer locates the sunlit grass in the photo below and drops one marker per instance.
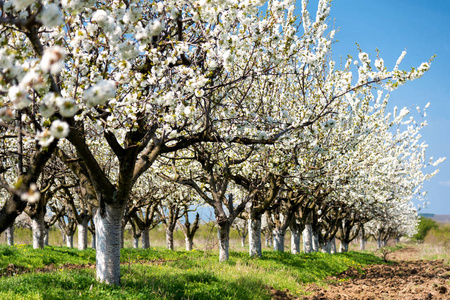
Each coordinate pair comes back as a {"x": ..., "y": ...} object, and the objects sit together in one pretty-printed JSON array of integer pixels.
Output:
[{"x": 162, "y": 274}]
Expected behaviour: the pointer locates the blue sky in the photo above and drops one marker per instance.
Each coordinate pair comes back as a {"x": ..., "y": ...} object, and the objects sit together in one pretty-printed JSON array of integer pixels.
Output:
[{"x": 422, "y": 28}]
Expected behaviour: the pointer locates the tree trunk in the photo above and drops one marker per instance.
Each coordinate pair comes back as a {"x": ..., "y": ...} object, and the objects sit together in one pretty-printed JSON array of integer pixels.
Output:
[
  {"x": 362, "y": 241},
  {"x": 325, "y": 247},
  {"x": 122, "y": 235},
  {"x": 135, "y": 242},
  {"x": 379, "y": 243},
  {"x": 333, "y": 245},
  {"x": 224, "y": 240},
  {"x": 189, "y": 243},
  {"x": 10, "y": 235},
  {"x": 278, "y": 240},
  {"x": 46, "y": 236},
  {"x": 307, "y": 238},
  {"x": 254, "y": 236},
  {"x": 314, "y": 241},
  {"x": 145, "y": 238},
  {"x": 343, "y": 247},
  {"x": 38, "y": 227},
  {"x": 169, "y": 239},
  {"x": 295, "y": 241},
  {"x": 69, "y": 241},
  {"x": 93, "y": 241},
  {"x": 82, "y": 234},
  {"x": 108, "y": 234}
]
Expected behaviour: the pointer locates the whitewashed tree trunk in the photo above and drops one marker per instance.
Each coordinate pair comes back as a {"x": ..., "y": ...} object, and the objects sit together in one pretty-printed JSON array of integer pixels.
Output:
[
  {"x": 82, "y": 234},
  {"x": 343, "y": 247},
  {"x": 10, "y": 235},
  {"x": 307, "y": 238},
  {"x": 69, "y": 241},
  {"x": 333, "y": 245},
  {"x": 38, "y": 227},
  {"x": 295, "y": 241},
  {"x": 362, "y": 241},
  {"x": 224, "y": 241},
  {"x": 314, "y": 241},
  {"x": 325, "y": 247},
  {"x": 379, "y": 243},
  {"x": 108, "y": 235},
  {"x": 278, "y": 240},
  {"x": 46, "y": 236},
  {"x": 93, "y": 241},
  {"x": 254, "y": 237},
  {"x": 169, "y": 239},
  {"x": 189, "y": 243},
  {"x": 135, "y": 242},
  {"x": 145, "y": 238}
]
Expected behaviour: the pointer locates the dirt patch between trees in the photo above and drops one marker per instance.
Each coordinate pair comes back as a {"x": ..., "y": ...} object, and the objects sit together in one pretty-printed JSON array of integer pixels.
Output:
[{"x": 404, "y": 280}]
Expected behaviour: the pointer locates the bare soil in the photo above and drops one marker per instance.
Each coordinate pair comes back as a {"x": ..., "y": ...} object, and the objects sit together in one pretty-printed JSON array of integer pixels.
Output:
[{"x": 404, "y": 278}]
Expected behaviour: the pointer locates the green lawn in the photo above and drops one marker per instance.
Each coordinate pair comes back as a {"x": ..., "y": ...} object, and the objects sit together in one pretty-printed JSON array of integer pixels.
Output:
[{"x": 164, "y": 274}]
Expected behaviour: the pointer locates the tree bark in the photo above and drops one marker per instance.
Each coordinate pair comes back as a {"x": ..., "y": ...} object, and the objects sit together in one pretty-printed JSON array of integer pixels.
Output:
[
  {"x": 278, "y": 240},
  {"x": 307, "y": 238},
  {"x": 46, "y": 236},
  {"x": 295, "y": 241},
  {"x": 69, "y": 241},
  {"x": 93, "y": 243},
  {"x": 169, "y": 239},
  {"x": 82, "y": 234},
  {"x": 10, "y": 235},
  {"x": 135, "y": 242},
  {"x": 108, "y": 234},
  {"x": 38, "y": 227},
  {"x": 254, "y": 236},
  {"x": 333, "y": 245},
  {"x": 145, "y": 238},
  {"x": 362, "y": 241},
  {"x": 343, "y": 247},
  {"x": 224, "y": 240},
  {"x": 314, "y": 241},
  {"x": 189, "y": 242}
]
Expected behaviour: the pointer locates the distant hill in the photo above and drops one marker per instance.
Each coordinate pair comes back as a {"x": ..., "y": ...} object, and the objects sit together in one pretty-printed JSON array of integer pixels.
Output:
[{"x": 441, "y": 218}]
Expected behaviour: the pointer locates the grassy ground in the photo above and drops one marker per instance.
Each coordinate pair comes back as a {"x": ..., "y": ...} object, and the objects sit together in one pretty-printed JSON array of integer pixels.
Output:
[{"x": 163, "y": 274}]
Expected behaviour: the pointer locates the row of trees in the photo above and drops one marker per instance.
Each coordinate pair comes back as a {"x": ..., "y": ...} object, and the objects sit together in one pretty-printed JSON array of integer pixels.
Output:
[{"x": 109, "y": 107}]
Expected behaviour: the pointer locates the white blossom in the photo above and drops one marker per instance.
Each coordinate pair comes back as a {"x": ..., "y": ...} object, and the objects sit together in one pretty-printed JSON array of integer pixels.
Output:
[
  {"x": 32, "y": 195},
  {"x": 67, "y": 106},
  {"x": 52, "y": 60},
  {"x": 59, "y": 129},
  {"x": 51, "y": 16}
]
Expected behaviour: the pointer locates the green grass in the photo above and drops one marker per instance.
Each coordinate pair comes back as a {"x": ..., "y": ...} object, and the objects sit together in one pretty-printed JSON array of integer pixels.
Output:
[{"x": 163, "y": 274}]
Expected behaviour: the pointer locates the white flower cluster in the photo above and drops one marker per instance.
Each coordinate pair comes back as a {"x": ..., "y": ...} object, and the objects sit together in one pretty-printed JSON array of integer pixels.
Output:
[{"x": 100, "y": 93}]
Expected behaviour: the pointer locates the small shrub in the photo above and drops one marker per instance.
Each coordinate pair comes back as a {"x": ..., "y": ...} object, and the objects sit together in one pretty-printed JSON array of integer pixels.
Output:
[{"x": 425, "y": 225}]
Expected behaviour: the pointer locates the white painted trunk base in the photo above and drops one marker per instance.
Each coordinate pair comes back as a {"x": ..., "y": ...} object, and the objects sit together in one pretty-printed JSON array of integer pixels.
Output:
[
  {"x": 343, "y": 247},
  {"x": 135, "y": 242},
  {"x": 307, "y": 238},
  {"x": 224, "y": 242},
  {"x": 82, "y": 234},
  {"x": 69, "y": 241},
  {"x": 108, "y": 243},
  {"x": 10, "y": 235},
  {"x": 37, "y": 225},
  {"x": 278, "y": 240},
  {"x": 169, "y": 239},
  {"x": 295, "y": 241},
  {"x": 254, "y": 237},
  {"x": 189, "y": 243}
]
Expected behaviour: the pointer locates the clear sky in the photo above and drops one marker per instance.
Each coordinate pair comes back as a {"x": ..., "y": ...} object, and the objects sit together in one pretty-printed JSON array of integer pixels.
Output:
[{"x": 422, "y": 28}]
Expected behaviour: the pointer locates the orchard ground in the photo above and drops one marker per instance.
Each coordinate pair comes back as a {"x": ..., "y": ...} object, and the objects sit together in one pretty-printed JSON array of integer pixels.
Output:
[{"x": 413, "y": 271}]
